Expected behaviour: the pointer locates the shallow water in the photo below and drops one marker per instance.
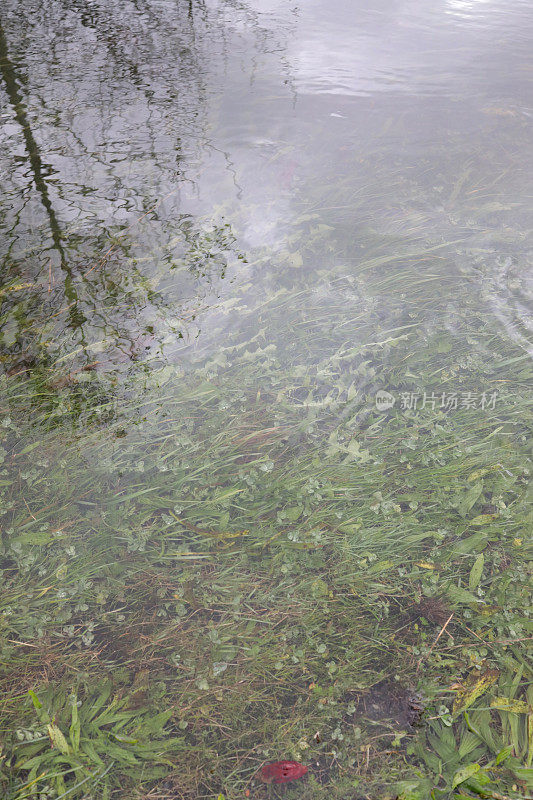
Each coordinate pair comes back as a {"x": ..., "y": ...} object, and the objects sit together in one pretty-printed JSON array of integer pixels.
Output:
[{"x": 224, "y": 227}]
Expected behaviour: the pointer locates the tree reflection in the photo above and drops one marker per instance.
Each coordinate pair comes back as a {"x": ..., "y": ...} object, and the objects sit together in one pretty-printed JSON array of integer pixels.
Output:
[
  {"x": 13, "y": 86},
  {"x": 109, "y": 248}
]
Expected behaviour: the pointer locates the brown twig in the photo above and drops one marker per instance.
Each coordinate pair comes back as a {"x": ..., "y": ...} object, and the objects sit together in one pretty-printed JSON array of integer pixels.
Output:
[{"x": 436, "y": 640}]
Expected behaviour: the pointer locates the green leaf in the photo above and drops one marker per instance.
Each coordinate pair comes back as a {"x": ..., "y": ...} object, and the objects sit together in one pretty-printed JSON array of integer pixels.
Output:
[
  {"x": 292, "y": 513},
  {"x": 41, "y": 713},
  {"x": 88, "y": 748},
  {"x": 468, "y": 742},
  {"x": 156, "y": 724},
  {"x": 99, "y": 702},
  {"x": 529, "y": 740},
  {"x": 75, "y": 727},
  {"x": 319, "y": 588},
  {"x": 504, "y": 753},
  {"x": 483, "y": 519},
  {"x": 355, "y": 452},
  {"x": 461, "y": 596},
  {"x": 469, "y": 498},
  {"x": 479, "y": 722},
  {"x": 464, "y": 773},
  {"x": 414, "y": 790},
  {"x": 476, "y": 572},
  {"x": 122, "y": 739},
  {"x": 35, "y": 700},
  {"x": 476, "y": 784},
  {"x": 40, "y": 761},
  {"x": 472, "y": 544}
]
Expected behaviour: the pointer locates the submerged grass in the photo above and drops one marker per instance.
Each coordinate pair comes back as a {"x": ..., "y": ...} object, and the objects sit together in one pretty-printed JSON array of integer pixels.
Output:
[
  {"x": 206, "y": 569},
  {"x": 255, "y": 575}
]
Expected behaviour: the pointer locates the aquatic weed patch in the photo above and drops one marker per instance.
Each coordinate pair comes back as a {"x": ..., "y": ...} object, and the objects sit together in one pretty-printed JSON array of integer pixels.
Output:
[
  {"x": 258, "y": 559},
  {"x": 236, "y": 537}
]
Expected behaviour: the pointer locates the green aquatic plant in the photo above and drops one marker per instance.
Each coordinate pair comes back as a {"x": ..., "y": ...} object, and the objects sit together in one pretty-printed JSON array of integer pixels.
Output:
[
  {"x": 237, "y": 532},
  {"x": 485, "y": 751},
  {"x": 72, "y": 745},
  {"x": 261, "y": 577}
]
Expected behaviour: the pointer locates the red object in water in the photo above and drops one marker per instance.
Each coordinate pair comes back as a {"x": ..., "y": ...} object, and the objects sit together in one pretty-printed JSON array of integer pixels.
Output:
[{"x": 281, "y": 772}]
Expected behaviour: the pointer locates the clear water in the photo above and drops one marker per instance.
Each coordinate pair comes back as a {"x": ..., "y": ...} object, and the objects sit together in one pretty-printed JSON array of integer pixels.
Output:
[
  {"x": 231, "y": 219},
  {"x": 150, "y": 125}
]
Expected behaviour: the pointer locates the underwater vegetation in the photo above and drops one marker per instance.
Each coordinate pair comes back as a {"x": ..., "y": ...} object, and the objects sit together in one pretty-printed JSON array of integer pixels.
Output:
[
  {"x": 206, "y": 569},
  {"x": 265, "y": 469}
]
